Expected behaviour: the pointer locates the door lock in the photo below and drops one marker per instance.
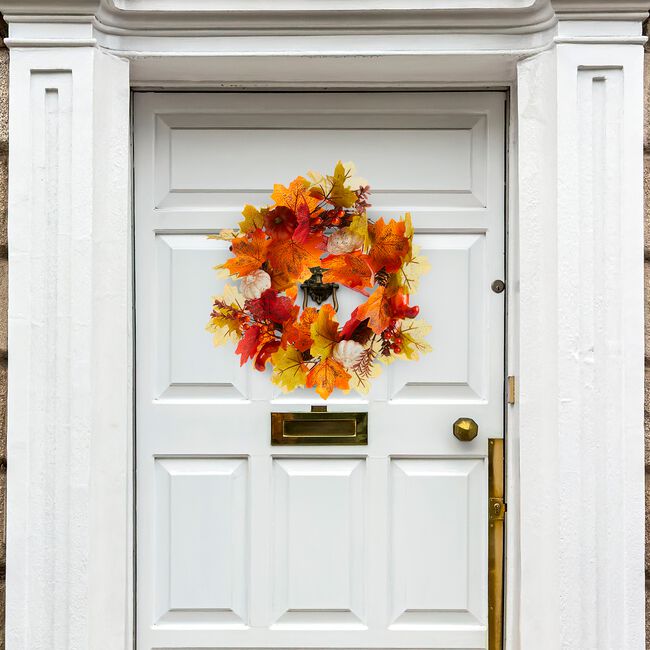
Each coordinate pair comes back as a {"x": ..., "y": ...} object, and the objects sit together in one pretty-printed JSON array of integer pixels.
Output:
[{"x": 465, "y": 429}]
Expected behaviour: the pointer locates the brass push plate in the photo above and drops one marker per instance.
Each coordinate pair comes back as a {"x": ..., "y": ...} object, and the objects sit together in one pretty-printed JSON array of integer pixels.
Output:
[{"x": 319, "y": 428}]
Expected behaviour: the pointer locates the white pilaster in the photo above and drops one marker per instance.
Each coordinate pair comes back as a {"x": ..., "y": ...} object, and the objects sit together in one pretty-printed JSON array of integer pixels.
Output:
[
  {"x": 580, "y": 341},
  {"x": 69, "y": 425}
]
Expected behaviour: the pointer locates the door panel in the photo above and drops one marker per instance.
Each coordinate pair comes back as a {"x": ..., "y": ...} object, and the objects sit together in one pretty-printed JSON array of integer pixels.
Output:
[{"x": 244, "y": 545}]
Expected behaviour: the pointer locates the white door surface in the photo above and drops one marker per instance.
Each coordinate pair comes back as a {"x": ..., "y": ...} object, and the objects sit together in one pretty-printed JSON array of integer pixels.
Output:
[{"x": 245, "y": 545}]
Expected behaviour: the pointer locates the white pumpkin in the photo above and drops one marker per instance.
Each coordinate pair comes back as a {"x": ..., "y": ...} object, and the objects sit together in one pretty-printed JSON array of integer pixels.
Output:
[
  {"x": 255, "y": 284},
  {"x": 347, "y": 353},
  {"x": 343, "y": 241}
]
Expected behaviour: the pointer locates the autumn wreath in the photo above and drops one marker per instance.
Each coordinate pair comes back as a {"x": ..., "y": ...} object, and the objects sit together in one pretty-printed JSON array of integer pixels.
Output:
[{"x": 320, "y": 225}]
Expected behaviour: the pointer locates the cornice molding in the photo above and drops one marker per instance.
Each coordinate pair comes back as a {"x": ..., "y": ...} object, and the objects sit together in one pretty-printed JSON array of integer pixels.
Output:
[
  {"x": 51, "y": 8},
  {"x": 201, "y": 18},
  {"x": 119, "y": 23}
]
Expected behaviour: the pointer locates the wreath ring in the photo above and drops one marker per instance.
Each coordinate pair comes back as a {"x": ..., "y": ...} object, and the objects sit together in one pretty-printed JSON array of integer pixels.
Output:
[{"x": 317, "y": 233}]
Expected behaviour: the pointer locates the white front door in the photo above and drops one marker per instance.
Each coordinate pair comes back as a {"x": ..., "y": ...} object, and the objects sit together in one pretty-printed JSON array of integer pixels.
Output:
[{"x": 245, "y": 545}]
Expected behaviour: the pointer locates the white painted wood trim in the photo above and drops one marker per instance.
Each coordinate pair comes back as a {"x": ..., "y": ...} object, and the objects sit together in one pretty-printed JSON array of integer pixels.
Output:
[
  {"x": 575, "y": 534},
  {"x": 69, "y": 511}
]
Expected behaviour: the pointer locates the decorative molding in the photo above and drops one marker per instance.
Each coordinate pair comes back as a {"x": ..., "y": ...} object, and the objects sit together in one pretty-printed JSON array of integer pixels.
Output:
[
  {"x": 579, "y": 437},
  {"x": 68, "y": 539}
]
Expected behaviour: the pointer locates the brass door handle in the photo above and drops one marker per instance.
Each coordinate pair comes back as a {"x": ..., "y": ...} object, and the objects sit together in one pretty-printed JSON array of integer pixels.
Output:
[{"x": 465, "y": 429}]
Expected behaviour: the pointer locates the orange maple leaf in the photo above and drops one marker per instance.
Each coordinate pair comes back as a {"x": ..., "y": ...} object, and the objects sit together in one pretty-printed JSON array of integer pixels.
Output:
[
  {"x": 298, "y": 332},
  {"x": 327, "y": 375},
  {"x": 250, "y": 253},
  {"x": 296, "y": 194},
  {"x": 324, "y": 332},
  {"x": 350, "y": 269},
  {"x": 377, "y": 309},
  {"x": 294, "y": 259},
  {"x": 389, "y": 245}
]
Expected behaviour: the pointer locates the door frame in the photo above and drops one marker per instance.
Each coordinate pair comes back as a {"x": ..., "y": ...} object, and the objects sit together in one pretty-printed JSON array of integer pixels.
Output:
[{"x": 575, "y": 318}]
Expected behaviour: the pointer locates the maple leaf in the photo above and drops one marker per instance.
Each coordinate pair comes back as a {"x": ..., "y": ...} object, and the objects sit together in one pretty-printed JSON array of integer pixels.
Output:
[
  {"x": 301, "y": 233},
  {"x": 408, "y": 226},
  {"x": 389, "y": 245},
  {"x": 289, "y": 369},
  {"x": 413, "y": 333},
  {"x": 280, "y": 281},
  {"x": 291, "y": 292},
  {"x": 269, "y": 306},
  {"x": 298, "y": 332},
  {"x": 327, "y": 375},
  {"x": 294, "y": 258},
  {"x": 377, "y": 309},
  {"x": 340, "y": 194},
  {"x": 294, "y": 195},
  {"x": 359, "y": 226},
  {"x": 250, "y": 253},
  {"x": 408, "y": 277},
  {"x": 324, "y": 332},
  {"x": 247, "y": 347},
  {"x": 221, "y": 334},
  {"x": 253, "y": 219},
  {"x": 226, "y": 234},
  {"x": 350, "y": 269}
]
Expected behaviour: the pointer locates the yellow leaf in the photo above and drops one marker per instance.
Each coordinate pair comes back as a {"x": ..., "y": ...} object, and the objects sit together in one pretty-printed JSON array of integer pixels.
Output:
[
  {"x": 340, "y": 193},
  {"x": 253, "y": 219},
  {"x": 221, "y": 334},
  {"x": 289, "y": 370},
  {"x": 359, "y": 226},
  {"x": 233, "y": 297},
  {"x": 227, "y": 234},
  {"x": 224, "y": 324},
  {"x": 324, "y": 332},
  {"x": 413, "y": 333},
  {"x": 408, "y": 229},
  {"x": 408, "y": 277}
]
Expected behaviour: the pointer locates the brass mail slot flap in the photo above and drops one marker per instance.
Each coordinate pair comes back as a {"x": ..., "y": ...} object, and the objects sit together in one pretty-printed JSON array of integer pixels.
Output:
[{"x": 319, "y": 428}]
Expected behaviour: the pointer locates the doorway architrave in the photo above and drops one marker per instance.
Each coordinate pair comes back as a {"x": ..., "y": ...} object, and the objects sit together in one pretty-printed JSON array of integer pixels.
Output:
[{"x": 575, "y": 290}]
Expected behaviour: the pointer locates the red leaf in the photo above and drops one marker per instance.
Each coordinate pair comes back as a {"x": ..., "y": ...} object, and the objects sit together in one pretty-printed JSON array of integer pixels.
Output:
[
  {"x": 270, "y": 306},
  {"x": 301, "y": 233},
  {"x": 247, "y": 347}
]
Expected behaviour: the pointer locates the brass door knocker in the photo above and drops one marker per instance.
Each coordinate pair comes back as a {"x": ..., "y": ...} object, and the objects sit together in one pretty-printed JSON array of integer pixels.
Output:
[{"x": 318, "y": 290}]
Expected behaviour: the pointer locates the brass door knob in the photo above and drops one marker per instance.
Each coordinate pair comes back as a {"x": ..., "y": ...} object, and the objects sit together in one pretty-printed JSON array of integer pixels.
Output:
[{"x": 465, "y": 429}]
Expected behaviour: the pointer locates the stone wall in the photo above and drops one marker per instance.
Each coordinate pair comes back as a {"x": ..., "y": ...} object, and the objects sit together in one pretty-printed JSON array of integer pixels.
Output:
[
  {"x": 4, "y": 75},
  {"x": 4, "y": 147},
  {"x": 646, "y": 250}
]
